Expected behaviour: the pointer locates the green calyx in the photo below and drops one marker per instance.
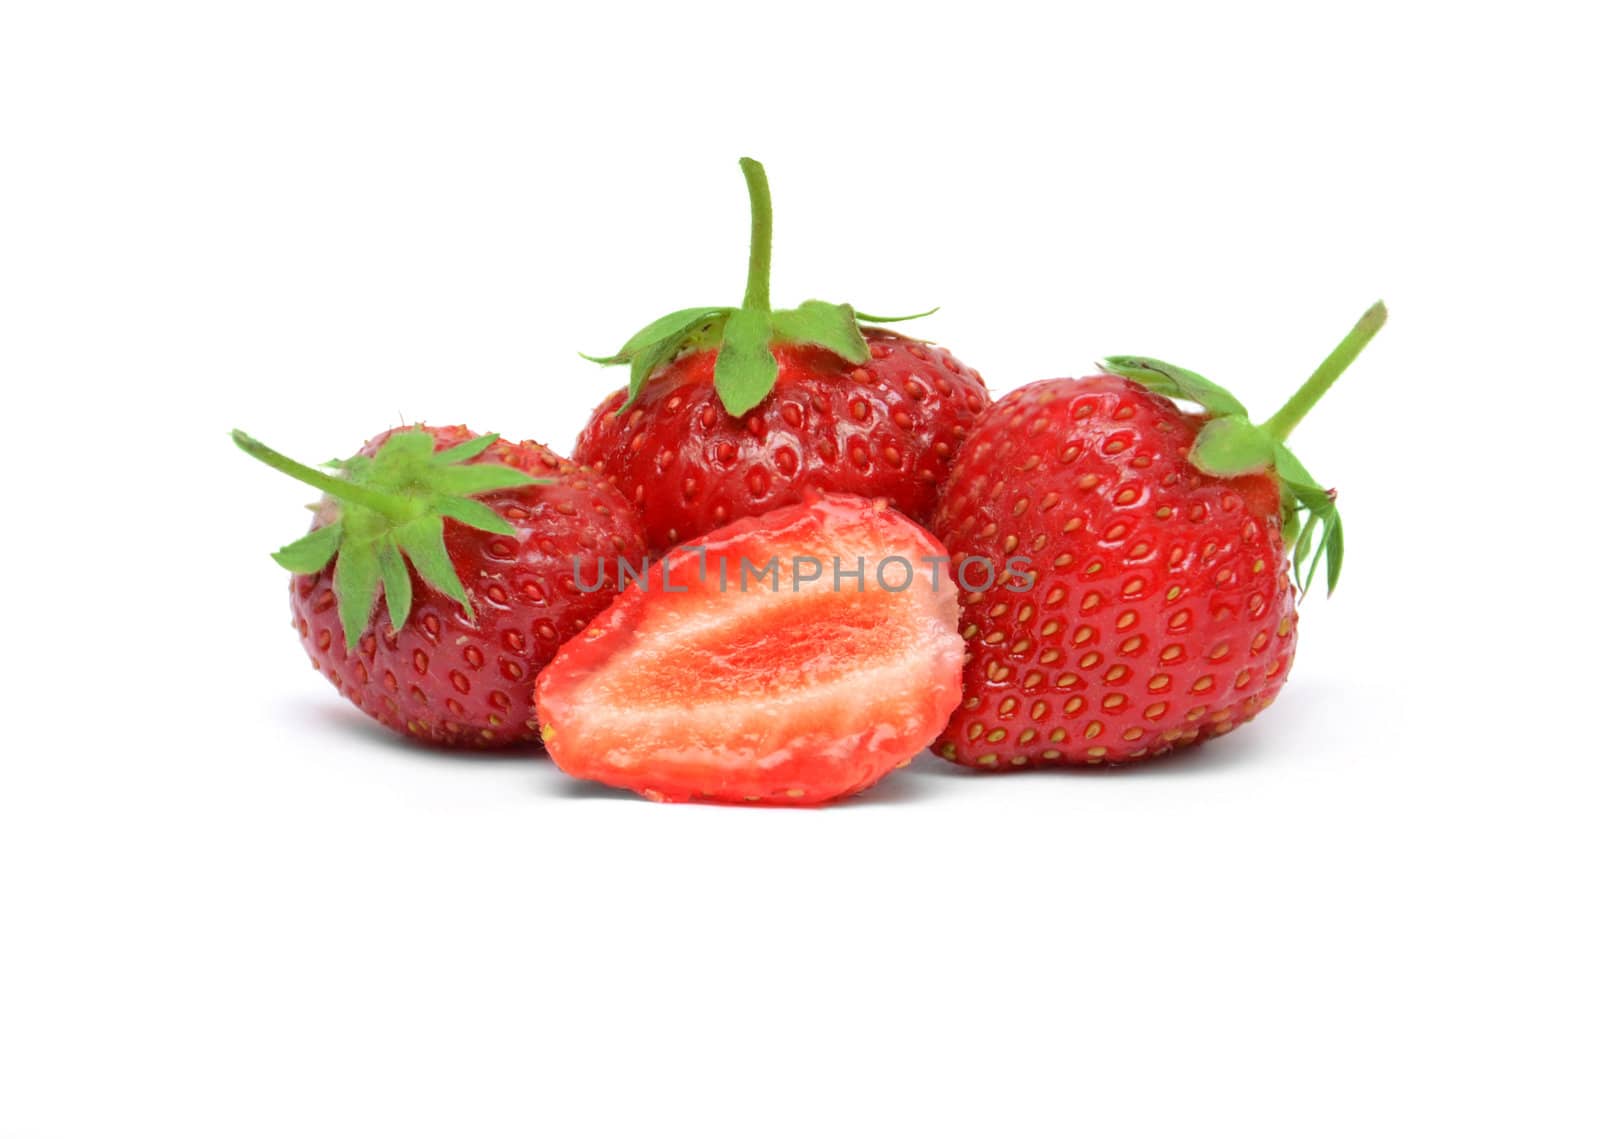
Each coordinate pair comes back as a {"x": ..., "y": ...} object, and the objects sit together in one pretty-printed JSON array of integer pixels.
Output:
[
  {"x": 746, "y": 368},
  {"x": 1230, "y": 445},
  {"x": 391, "y": 510}
]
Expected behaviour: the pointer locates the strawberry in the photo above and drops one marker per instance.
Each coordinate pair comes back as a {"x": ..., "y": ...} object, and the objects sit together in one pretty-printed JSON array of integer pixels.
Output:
[
  {"x": 792, "y": 657},
  {"x": 1155, "y": 607},
  {"x": 491, "y": 589},
  {"x": 734, "y": 411}
]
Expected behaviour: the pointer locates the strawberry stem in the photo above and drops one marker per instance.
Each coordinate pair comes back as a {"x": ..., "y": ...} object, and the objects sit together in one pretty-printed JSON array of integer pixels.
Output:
[
  {"x": 1287, "y": 417},
  {"x": 393, "y": 507},
  {"x": 758, "y": 283}
]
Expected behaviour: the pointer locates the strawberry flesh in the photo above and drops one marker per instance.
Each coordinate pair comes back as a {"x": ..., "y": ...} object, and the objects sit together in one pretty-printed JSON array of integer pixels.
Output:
[{"x": 795, "y": 694}]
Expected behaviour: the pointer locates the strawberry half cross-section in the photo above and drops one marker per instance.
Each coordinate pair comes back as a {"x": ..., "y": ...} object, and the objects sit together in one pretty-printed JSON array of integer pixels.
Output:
[{"x": 795, "y": 657}]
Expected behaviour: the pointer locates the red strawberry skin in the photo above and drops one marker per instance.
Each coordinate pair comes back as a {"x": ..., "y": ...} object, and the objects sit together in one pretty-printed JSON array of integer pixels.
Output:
[
  {"x": 763, "y": 696},
  {"x": 1161, "y": 612},
  {"x": 459, "y": 682},
  {"x": 887, "y": 429}
]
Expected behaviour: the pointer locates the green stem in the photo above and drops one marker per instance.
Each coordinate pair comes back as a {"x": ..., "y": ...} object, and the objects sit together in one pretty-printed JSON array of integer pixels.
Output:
[
  {"x": 758, "y": 283},
  {"x": 391, "y": 506},
  {"x": 1287, "y": 417}
]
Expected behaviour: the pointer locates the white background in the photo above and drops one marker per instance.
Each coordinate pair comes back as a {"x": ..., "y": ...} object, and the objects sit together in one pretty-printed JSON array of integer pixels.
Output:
[{"x": 231, "y": 907}]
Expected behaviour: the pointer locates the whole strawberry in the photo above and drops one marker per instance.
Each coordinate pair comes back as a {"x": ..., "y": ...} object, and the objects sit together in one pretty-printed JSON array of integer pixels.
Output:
[
  {"x": 478, "y": 547},
  {"x": 734, "y": 411},
  {"x": 1149, "y": 602}
]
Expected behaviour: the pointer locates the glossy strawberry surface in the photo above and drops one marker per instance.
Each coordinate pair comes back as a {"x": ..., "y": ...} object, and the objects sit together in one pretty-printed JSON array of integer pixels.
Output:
[
  {"x": 706, "y": 682},
  {"x": 450, "y": 679},
  {"x": 888, "y": 428},
  {"x": 1160, "y": 610}
]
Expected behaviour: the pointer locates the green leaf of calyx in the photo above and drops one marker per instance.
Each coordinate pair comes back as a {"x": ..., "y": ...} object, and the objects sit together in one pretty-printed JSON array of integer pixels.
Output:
[
  {"x": 313, "y": 552},
  {"x": 868, "y": 318},
  {"x": 476, "y": 478},
  {"x": 1175, "y": 383},
  {"x": 404, "y": 448},
  {"x": 396, "y": 582},
  {"x": 673, "y": 326},
  {"x": 746, "y": 368},
  {"x": 660, "y": 341},
  {"x": 422, "y": 542},
  {"x": 650, "y": 360},
  {"x": 826, "y": 325},
  {"x": 1322, "y": 530},
  {"x": 461, "y": 452},
  {"x": 475, "y": 514},
  {"x": 389, "y": 508},
  {"x": 1325, "y": 528},
  {"x": 355, "y": 585}
]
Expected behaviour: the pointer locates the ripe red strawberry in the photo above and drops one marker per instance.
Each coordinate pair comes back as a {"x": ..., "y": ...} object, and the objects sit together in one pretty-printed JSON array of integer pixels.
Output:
[
  {"x": 734, "y": 411},
  {"x": 1155, "y": 608},
  {"x": 797, "y": 686},
  {"x": 489, "y": 593}
]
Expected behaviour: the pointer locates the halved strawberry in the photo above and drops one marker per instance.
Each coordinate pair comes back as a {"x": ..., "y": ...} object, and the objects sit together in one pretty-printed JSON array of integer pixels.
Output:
[{"x": 793, "y": 657}]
